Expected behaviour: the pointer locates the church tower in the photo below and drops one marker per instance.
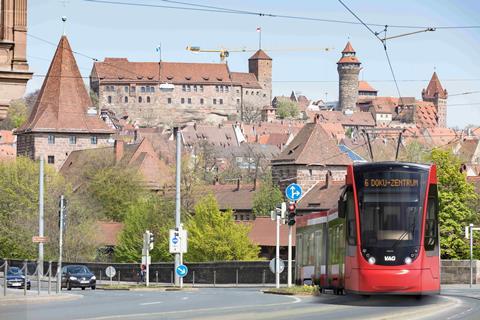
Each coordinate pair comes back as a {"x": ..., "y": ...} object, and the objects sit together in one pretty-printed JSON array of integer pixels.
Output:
[
  {"x": 438, "y": 96},
  {"x": 13, "y": 52},
  {"x": 348, "y": 68}
]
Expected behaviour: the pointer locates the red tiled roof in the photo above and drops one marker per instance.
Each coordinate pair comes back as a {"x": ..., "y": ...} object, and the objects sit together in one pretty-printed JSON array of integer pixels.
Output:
[
  {"x": 120, "y": 69},
  {"x": 229, "y": 197},
  {"x": 313, "y": 145},
  {"x": 260, "y": 55},
  {"x": 435, "y": 87},
  {"x": 425, "y": 115},
  {"x": 246, "y": 80},
  {"x": 355, "y": 119},
  {"x": 348, "y": 59},
  {"x": 365, "y": 86},
  {"x": 348, "y": 48},
  {"x": 322, "y": 196},
  {"x": 263, "y": 232},
  {"x": 108, "y": 232},
  {"x": 63, "y": 101}
]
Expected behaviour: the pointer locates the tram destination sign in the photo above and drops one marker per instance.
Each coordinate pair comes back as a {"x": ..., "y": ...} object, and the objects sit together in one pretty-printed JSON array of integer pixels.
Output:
[{"x": 391, "y": 180}]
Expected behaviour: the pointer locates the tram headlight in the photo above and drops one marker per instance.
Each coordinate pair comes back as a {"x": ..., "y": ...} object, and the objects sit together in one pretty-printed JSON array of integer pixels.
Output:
[
  {"x": 371, "y": 260},
  {"x": 408, "y": 260}
]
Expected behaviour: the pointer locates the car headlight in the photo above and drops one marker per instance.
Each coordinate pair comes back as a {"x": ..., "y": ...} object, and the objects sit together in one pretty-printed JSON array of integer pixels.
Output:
[
  {"x": 371, "y": 260},
  {"x": 73, "y": 278},
  {"x": 408, "y": 260},
  {"x": 93, "y": 278}
]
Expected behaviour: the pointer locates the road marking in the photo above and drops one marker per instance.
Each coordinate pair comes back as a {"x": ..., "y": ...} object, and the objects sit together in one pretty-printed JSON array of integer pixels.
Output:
[
  {"x": 149, "y": 303},
  {"x": 184, "y": 298},
  {"x": 152, "y": 314}
]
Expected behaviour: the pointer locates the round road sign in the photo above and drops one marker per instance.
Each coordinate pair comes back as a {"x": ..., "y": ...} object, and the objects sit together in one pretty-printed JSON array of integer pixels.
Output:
[
  {"x": 110, "y": 272},
  {"x": 281, "y": 265}
]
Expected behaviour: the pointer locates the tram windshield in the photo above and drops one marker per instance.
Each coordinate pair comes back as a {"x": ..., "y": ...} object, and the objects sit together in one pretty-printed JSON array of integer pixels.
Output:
[{"x": 391, "y": 204}]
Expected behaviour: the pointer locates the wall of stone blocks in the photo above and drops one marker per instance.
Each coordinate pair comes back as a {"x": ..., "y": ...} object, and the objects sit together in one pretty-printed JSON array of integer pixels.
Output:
[{"x": 458, "y": 272}]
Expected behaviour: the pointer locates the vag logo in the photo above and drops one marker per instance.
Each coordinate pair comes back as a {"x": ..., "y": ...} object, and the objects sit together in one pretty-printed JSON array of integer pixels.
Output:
[{"x": 390, "y": 258}]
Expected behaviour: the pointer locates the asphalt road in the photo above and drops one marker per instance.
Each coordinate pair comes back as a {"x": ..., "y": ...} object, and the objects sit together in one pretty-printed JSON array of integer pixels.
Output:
[{"x": 242, "y": 303}]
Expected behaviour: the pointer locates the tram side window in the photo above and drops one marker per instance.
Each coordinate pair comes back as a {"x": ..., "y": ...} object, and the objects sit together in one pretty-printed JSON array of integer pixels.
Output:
[
  {"x": 431, "y": 229},
  {"x": 299, "y": 250},
  {"x": 350, "y": 219}
]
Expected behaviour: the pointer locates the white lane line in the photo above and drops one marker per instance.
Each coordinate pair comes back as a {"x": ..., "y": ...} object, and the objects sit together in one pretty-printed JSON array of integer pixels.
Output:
[
  {"x": 149, "y": 303},
  {"x": 184, "y": 298}
]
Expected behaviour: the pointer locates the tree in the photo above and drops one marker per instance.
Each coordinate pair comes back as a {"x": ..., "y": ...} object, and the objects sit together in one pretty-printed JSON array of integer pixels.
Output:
[
  {"x": 148, "y": 213},
  {"x": 457, "y": 200},
  {"x": 251, "y": 113},
  {"x": 287, "y": 109},
  {"x": 267, "y": 197},
  {"x": 415, "y": 152},
  {"x": 214, "y": 235},
  {"x": 19, "y": 214},
  {"x": 16, "y": 116}
]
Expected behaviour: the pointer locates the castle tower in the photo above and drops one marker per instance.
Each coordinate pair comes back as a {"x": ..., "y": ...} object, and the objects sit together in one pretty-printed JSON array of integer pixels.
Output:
[
  {"x": 62, "y": 119},
  {"x": 260, "y": 64},
  {"x": 348, "y": 68},
  {"x": 438, "y": 96},
  {"x": 13, "y": 52}
]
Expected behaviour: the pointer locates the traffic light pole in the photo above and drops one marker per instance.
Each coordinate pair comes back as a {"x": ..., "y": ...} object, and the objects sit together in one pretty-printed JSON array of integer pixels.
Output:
[
  {"x": 289, "y": 283},
  {"x": 60, "y": 247},
  {"x": 277, "y": 254}
]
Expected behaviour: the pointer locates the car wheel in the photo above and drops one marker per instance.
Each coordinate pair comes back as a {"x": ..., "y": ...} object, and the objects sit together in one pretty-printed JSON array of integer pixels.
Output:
[
  {"x": 93, "y": 287},
  {"x": 69, "y": 286}
]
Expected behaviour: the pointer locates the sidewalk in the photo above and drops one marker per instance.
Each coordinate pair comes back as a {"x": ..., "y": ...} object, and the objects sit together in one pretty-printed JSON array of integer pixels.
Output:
[
  {"x": 15, "y": 296},
  {"x": 463, "y": 290}
]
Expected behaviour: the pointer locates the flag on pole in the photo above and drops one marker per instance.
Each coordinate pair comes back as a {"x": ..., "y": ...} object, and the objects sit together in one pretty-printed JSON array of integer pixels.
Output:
[{"x": 259, "y": 29}]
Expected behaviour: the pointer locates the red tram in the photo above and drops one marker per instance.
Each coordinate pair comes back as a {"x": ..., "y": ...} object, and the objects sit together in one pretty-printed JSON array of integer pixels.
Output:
[{"x": 383, "y": 237}]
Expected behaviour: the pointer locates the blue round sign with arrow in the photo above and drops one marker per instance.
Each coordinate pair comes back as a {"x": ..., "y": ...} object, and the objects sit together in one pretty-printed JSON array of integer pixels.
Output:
[
  {"x": 293, "y": 192},
  {"x": 181, "y": 270}
]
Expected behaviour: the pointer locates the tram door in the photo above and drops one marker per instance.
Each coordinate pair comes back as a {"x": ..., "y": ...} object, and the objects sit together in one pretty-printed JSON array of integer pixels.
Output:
[{"x": 336, "y": 253}]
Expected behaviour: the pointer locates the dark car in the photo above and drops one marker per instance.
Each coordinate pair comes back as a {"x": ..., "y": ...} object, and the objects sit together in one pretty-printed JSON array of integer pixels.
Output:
[
  {"x": 78, "y": 276},
  {"x": 16, "y": 278}
]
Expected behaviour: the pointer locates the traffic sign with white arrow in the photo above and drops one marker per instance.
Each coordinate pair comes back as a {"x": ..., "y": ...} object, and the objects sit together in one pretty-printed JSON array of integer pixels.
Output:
[
  {"x": 293, "y": 192},
  {"x": 182, "y": 270}
]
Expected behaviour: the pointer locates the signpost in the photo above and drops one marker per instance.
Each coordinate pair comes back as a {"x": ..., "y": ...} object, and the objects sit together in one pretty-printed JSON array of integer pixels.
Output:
[
  {"x": 292, "y": 192},
  {"x": 110, "y": 272},
  {"x": 181, "y": 270},
  {"x": 469, "y": 235},
  {"x": 277, "y": 214},
  {"x": 273, "y": 263},
  {"x": 38, "y": 239}
]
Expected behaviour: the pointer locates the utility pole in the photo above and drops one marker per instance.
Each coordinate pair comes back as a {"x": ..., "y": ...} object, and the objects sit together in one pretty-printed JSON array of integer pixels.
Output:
[
  {"x": 471, "y": 254},
  {"x": 277, "y": 254},
  {"x": 289, "y": 280},
  {"x": 178, "y": 256},
  {"x": 40, "y": 217},
  {"x": 60, "y": 246}
]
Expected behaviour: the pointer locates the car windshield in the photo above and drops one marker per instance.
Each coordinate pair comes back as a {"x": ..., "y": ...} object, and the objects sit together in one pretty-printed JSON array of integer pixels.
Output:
[
  {"x": 14, "y": 271},
  {"x": 391, "y": 206},
  {"x": 78, "y": 269}
]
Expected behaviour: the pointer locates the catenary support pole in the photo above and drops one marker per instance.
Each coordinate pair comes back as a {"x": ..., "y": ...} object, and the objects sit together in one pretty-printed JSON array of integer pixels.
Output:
[
  {"x": 289, "y": 282},
  {"x": 178, "y": 172},
  {"x": 277, "y": 254},
  {"x": 40, "y": 216}
]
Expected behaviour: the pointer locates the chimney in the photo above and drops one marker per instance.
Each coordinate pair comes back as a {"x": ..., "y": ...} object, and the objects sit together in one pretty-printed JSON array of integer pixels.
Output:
[
  {"x": 119, "y": 145},
  {"x": 327, "y": 178}
]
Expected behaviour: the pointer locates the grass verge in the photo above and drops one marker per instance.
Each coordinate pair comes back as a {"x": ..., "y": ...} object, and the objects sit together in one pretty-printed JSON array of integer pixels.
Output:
[{"x": 295, "y": 290}]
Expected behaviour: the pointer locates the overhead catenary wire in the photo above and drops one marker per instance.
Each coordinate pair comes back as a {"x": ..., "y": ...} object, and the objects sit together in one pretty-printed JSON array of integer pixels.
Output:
[{"x": 188, "y": 6}]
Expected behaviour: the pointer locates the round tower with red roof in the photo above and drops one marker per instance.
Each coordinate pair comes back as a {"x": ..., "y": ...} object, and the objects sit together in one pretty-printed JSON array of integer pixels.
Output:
[{"x": 348, "y": 69}]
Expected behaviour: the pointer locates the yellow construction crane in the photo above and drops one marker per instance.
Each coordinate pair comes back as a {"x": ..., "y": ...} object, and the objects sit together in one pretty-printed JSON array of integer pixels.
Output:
[{"x": 224, "y": 53}]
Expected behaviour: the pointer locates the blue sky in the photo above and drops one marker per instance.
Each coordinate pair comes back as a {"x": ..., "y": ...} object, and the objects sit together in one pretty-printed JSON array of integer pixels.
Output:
[{"x": 107, "y": 30}]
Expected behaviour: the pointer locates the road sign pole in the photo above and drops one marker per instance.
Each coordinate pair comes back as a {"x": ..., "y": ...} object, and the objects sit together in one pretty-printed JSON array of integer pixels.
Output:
[
  {"x": 277, "y": 255},
  {"x": 471, "y": 254},
  {"x": 181, "y": 263},
  {"x": 60, "y": 248},
  {"x": 289, "y": 284},
  {"x": 178, "y": 172}
]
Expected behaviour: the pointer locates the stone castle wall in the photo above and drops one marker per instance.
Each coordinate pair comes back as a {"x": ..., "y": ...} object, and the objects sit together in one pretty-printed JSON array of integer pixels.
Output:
[{"x": 348, "y": 86}]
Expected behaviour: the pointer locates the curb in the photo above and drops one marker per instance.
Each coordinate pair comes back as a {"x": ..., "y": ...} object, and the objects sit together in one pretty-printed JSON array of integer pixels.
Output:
[{"x": 39, "y": 299}]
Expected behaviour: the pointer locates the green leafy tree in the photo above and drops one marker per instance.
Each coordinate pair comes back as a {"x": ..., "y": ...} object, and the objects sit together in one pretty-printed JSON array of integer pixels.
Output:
[
  {"x": 287, "y": 109},
  {"x": 267, "y": 197},
  {"x": 415, "y": 152},
  {"x": 16, "y": 116},
  {"x": 148, "y": 213},
  {"x": 214, "y": 235},
  {"x": 19, "y": 184},
  {"x": 457, "y": 202}
]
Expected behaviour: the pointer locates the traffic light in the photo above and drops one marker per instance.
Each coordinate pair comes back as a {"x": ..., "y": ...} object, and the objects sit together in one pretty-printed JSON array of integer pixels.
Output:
[
  {"x": 292, "y": 212},
  {"x": 150, "y": 240}
]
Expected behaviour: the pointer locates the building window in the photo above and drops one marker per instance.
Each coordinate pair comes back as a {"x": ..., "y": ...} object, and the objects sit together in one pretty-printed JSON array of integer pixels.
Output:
[
  {"x": 125, "y": 99},
  {"x": 220, "y": 101},
  {"x": 217, "y": 88},
  {"x": 264, "y": 95},
  {"x": 142, "y": 89},
  {"x": 93, "y": 140},
  {"x": 148, "y": 99},
  {"x": 169, "y": 100},
  {"x": 238, "y": 91},
  {"x": 72, "y": 139},
  {"x": 195, "y": 88},
  {"x": 139, "y": 99},
  {"x": 189, "y": 88},
  {"x": 51, "y": 139},
  {"x": 238, "y": 101},
  {"x": 214, "y": 101},
  {"x": 201, "y": 100},
  {"x": 126, "y": 89},
  {"x": 221, "y": 88},
  {"x": 246, "y": 92},
  {"x": 109, "y": 99},
  {"x": 152, "y": 89},
  {"x": 182, "y": 100},
  {"x": 132, "y": 89},
  {"x": 227, "y": 89},
  {"x": 189, "y": 100},
  {"x": 258, "y": 92},
  {"x": 51, "y": 159},
  {"x": 201, "y": 88},
  {"x": 184, "y": 88}
]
